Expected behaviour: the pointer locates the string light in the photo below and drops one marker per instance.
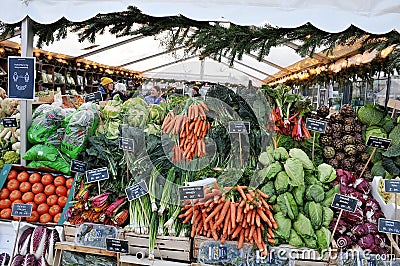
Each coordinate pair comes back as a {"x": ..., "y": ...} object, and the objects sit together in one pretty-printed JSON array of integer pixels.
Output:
[
  {"x": 49, "y": 57},
  {"x": 37, "y": 54},
  {"x": 2, "y": 51}
]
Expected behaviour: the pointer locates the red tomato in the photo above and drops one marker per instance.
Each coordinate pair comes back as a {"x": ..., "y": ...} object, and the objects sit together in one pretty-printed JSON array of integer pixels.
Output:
[
  {"x": 12, "y": 174},
  {"x": 27, "y": 197},
  {"x": 61, "y": 191},
  {"x": 33, "y": 218},
  {"x": 13, "y": 184},
  {"x": 55, "y": 209},
  {"x": 57, "y": 217},
  {"x": 5, "y": 193},
  {"x": 5, "y": 203},
  {"x": 62, "y": 201},
  {"x": 49, "y": 189},
  {"x": 43, "y": 208},
  {"x": 69, "y": 182},
  {"x": 35, "y": 178},
  {"x": 15, "y": 195},
  {"x": 34, "y": 205},
  {"x": 47, "y": 179},
  {"x": 25, "y": 187},
  {"x": 59, "y": 181},
  {"x": 37, "y": 188},
  {"x": 45, "y": 218},
  {"x": 40, "y": 198},
  {"x": 23, "y": 176},
  {"x": 18, "y": 201},
  {"x": 5, "y": 214},
  {"x": 52, "y": 200}
]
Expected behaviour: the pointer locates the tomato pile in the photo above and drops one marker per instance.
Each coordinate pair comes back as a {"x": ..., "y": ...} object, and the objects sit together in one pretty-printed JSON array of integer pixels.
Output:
[{"x": 47, "y": 193}]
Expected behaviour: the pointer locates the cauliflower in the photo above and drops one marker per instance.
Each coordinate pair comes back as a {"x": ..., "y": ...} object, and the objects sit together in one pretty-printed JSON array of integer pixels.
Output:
[{"x": 11, "y": 157}]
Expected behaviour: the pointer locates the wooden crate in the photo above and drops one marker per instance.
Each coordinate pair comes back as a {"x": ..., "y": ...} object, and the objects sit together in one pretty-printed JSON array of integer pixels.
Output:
[
  {"x": 198, "y": 240},
  {"x": 172, "y": 248},
  {"x": 129, "y": 260},
  {"x": 70, "y": 232}
]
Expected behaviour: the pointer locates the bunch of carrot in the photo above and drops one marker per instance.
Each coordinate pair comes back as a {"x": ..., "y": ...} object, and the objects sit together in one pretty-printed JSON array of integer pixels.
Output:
[
  {"x": 248, "y": 219},
  {"x": 191, "y": 127}
]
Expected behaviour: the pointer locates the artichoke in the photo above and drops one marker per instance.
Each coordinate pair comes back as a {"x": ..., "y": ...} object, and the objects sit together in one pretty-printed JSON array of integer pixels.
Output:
[
  {"x": 323, "y": 111},
  {"x": 338, "y": 144},
  {"x": 351, "y": 160},
  {"x": 340, "y": 156},
  {"x": 336, "y": 118},
  {"x": 346, "y": 165},
  {"x": 361, "y": 147},
  {"x": 337, "y": 128},
  {"x": 348, "y": 128},
  {"x": 336, "y": 135},
  {"x": 358, "y": 138},
  {"x": 325, "y": 140},
  {"x": 349, "y": 120},
  {"x": 364, "y": 156},
  {"x": 368, "y": 176},
  {"x": 329, "y": 152},
  {"x": 358, "y": 168},
  {"x": 334, "y": 163},
  {"x": 348, "y": 139},
  {"x": 358, "y": 127},
  {"x": 350, "y": 150},
  {"x": 347, "y": 110},
  {"x": 328, "y": 130}
]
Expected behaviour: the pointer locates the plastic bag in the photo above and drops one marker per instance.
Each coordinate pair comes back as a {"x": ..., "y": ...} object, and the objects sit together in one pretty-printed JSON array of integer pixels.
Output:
[
  {"x": 59, "y": 164},
  {"x": 41, "y": 152},
  {"x": 94, "y": 235},
  {"x": 72, "y": 258}
]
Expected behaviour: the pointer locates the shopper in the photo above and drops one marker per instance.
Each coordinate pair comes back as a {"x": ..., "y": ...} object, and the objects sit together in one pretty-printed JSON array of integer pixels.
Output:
[
  {"x": 120, "y": 89},
  {"x": 106, "y": 88},
  {"x": 195, "y": 92},
  {"x": 155, "y": 96}
]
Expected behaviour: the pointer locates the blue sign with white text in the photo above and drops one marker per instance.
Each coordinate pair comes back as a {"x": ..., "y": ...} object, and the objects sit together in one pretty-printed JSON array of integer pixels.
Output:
[{"x": 21, "y": 77}]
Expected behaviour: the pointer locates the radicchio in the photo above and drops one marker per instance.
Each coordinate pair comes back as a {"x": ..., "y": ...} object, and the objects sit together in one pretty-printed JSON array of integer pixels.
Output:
[
  {"x": 358, "y": 195},
  {"x": 379, "y": 241},
  {"x": 42, "y": 262},
  {"x": 343, "y": 241},
  {"x": 29, "y": 260},
  {"x": 373, "y": 216},
  {"x": 39, "y": 241},
  {"x": 366, "y": 242},
  {"x": 362, "y": 186},
  {"x": 4, "y": 259},
  {"x": 18, "y": 260},
  {"x": 345, "y": 190},
  {"x": 355, "y": 217},
  {"x": 341, "y": 227},
  {"x": 359, "y": 230},
  {"x": 373, "y": 204},
  {"x": 371, "y": 228},
  {"x": 345, "y": 177},
  {"x": 25, "y": 241},
  {"x": 53, "y": 238}
]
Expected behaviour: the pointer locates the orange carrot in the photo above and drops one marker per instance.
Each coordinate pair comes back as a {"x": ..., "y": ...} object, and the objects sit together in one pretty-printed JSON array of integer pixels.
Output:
[
  {"x": 215, "y": 212},
  {"x": 264, "y": 217},
  {"x": 241, "y": 240},
  {"x": 259, "y": 234},
  {"x": 233, "y": 215},
  {"x": 258, "y": 221},
  {"x": 237, "y": 231},
  {"x": 239, "y": 213},
  {"x": 241, "y": 192},
  {"x": 248, "y": 217},
  {"x": 270, "y": 232},
  {"x": 253, "y": 214},
  {"x": 252, "y": 231},
  {"x": 227, "y": 221},
  {"x": 201, "y": 111},
  {"x": 223, "y": 213},
  {"x": 196, "y": 110},
  {"x": 204, "y": 106}
]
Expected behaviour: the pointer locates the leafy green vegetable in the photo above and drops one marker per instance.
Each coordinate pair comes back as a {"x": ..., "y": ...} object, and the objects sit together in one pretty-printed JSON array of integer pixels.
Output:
[
  {"x": 272, "y": 170},
  {"x": 298, "y": 194},
  {"x": 309, "y": 178},
  {"x": 388, "y": 123},
  {"x": 315, "y": 214},
  {"x": 390, "y": 166},
  {"x": 281, "y": 154},
  {"x": 393, "y": 151},
  {"x": 269, "y": 189},
  {"x": 303, "y": 227},
  {"x": 329, "y": 195},
  {"x": 326, "y": 173},
  {"x": 395, "y": 135},
  {"x": 370, "y": 114},
  {"x": 295, "y": 240},
  {"x": 315, "y": 192},
  {"x": 284, "y": 226},
  {"x": 302, "y": 156},
  {"x": 281, "y": 182},
  {"x": 323, "y": 238},
  {"x": 310, "y": 243},
  {"x": 266, "y": 158},
  {"x": 375, "y": 131},
  {"x": 287, "y": 205},
  {"x": 378, "y": 170},
  {"x": 327, "y": 216},
  {"x": 294, "y": 169}
]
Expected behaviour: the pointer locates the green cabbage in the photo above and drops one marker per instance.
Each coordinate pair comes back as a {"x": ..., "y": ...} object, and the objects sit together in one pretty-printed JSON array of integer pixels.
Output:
[
  {"x": 269, "y": 189},
  {"x": 266, "y": 158},
  {"x": 315, "y": 214},
  {"x": 272, "y": 170},
  {"x": 302, "y": 156},
  {"x": 287, "y": 205},
  {"x": 375, "y": 132},
  {"x": 327, "y": 216},
  {"x": 326, "y": 173},
  {"x": 370, "y": 114},
  {"x": 323, "y": 238},
  {"x": 393, "y": 151},
  {"x": 281, "y": 154},
  {"x": 284, "y": 226},
  {"x": 295, "y": 240},
  {"x": 298, "y": 194},
  {"x": 395, "y": 135},
  {"x": 281, "y": 182},
  {"x": 294, "y": 169},
  {"x": 329, "y": 195},
  {"x": 303, "y": 227},
  {"x": 315, "y": 192},
  {"x": 309, "y": 178}
]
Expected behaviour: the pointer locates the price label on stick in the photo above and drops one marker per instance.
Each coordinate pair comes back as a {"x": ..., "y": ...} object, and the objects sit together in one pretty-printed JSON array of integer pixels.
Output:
[
  {"x": 136, "y": 191},
  {"x": 93, "y": 97},
  {"x": 379, "y": 143},
  {"x": 21, "y": 210},
  {"x": 189, "y": 193},
  {"x": 9, "y": 122},
  {"x": 344, "y": 203},
  {"x": 392, "y": 186},
  {"x": 97, "y": 174},
  {"x": 126, "y": 144},
  {"x": 239, "y": 127},
  {"x": 117, "y": 245},
  {"x": 78, "y": 166},
  {"x": 316, "y": 125},
  {"x": 389, "y": 226}
]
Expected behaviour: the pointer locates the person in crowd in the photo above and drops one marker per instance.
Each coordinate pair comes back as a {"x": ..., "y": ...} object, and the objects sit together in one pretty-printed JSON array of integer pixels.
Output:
[
  {"x": 106, "y": 88},
  {"x": 195, "y": 92},
  {"x": 120, "y": 89},
  {"x": 155, "y": 96}
]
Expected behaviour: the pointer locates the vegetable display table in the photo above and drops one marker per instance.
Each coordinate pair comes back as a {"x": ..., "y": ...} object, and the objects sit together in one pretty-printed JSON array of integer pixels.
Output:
[{"x": 127, "y": 260}]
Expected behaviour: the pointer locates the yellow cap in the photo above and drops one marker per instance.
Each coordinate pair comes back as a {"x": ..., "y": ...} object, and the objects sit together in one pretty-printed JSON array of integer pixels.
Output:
[{"x": 104, "y": 81}]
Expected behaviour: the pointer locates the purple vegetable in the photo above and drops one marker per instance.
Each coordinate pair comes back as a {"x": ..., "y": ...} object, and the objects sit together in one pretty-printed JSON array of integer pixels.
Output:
[
  {"x": 373, "y": 216},
  {"x": 342, "y": 226},
  {"x": 39, "y": 241},
  {"x": 355, "y": 217},
  {"x": 345, "y": 177},
  {"x": 52, "y": 239},
  {"x": 359, "y": 230},
  {"x": 371, "y": 228},
  {"x": 25, "y": 241},
  {"x": 362, "y": 185},
  {"x": 18, "y": 260},
  {"x": 29, "y": 260},
  {"x": 358, "y": 195},
  {"x": 4, "y": 259},
  {"x": 42, "y": 262},
  {"x": 379, "y": 241},
  {"x": 366, "y": 242},
  {"x": 345, "y": 190},
  {"x": 343, "y": 241},
  {"x": 373, "y": 204}
]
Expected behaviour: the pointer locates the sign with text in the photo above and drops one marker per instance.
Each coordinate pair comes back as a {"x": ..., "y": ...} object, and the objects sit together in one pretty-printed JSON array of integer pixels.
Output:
[
  {"x": 379, "y": 143},
  {"x": 241, "y": 127},
  {"x": 389, "y": 226},
  {"x": 78, "y": 166},
  {"x": 9, "y": 122},
  {"x": 136, "y": 191},
  {"x": 21, "y": 210},
  {"x": 126, "y": 144},
  {"x": 217, "y": 253},
  {"x": 117, "y": 245},
  {"x": 392, "y": 186},
  {"x": 344, "y": 203},
  {"x": 189, "y": 193},
  {"x": 93, "y": 97},
  {"x": 316, "y": 125},
  {"x": 97, "y": 174},
  {"x": 21, "y": 77}
]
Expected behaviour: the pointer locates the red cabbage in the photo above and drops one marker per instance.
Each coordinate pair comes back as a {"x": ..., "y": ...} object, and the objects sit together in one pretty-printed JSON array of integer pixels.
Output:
[
  {"x": 52, "y": 239},
  {"x": 39, "y": 241},
  {"x": 343, "y": 241},
  {"x": 29, "y": 260},
  {"x": 345, "y": 190},
  {"x": 25, "y": 241},
  {"x": 342, "y": 226},
  {"x": 360, "y": 196},
  {"x": 18, "y": 260},
  {"x": 362, "y": 185},
  {"x": 373, "y": 216},
  {"x": 367, "y": 242},
  {"x": 4, "y": 259}
]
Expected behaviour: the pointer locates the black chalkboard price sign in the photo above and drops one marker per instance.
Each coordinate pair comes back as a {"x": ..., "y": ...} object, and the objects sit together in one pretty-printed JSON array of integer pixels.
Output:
[
  {"x": 93, "y": 97},
  {"x": 117, "y": 245},
  {"x": 21, "y": 210},
  {"x": 136, "y": 191},
  {"x": 389, "y": 226},
  {"x": 97, "y": 174},
  {"x": 316, "y": 125},
  {"x": 379, "y": 143},
  {"x": 126, "y": 144},
  {"x": 78, "y": 166},
  {"x": 241, "y": 127},
  {"x": 9, "y": 122},
  {"x": 392, "y": 186},
  {"x": 344, "y": 203},
  {"x": 189, "y": 193}
]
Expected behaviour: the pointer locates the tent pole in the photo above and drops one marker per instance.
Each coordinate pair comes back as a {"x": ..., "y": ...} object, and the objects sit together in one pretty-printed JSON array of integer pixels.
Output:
[
  {"x": 202, "y": 65},
  {"x": 26, "y": 105}
]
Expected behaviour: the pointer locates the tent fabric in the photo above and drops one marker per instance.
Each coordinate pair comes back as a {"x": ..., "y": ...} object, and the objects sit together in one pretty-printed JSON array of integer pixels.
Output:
[{"x": 374, "y": 16}]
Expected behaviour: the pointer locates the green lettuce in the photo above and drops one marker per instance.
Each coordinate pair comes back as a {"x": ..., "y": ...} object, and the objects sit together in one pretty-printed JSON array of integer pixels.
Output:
[
  {"x": 298, "y": 194},
  {"x": 281, "y": 182},
  {"x": 302, "y": 156},
  {"x": 309, "y": 178},
  {"x": 294, "y": 169},
  {"x": 266, "y": 158},
  {"x": 323, "y": 238},
  {"x": 269, "y": 189},
  {"x": 315, "y": 192},
  {"x": 281, "y": 154},
  {"x": 327, "y": 216},
  {"x": 303, "y": 227},
  {"x": 284, "y": 226},
  {"x": 329, "y": 195},
  {"x": 287, "y": 205},
  {"x": 295, "y": 240},
  {"x": 326, "y": 173},
  {"x": 375, "y": 131},
  {"x": 315, "y": 213},
  {"x": 272, "y": 170}
]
